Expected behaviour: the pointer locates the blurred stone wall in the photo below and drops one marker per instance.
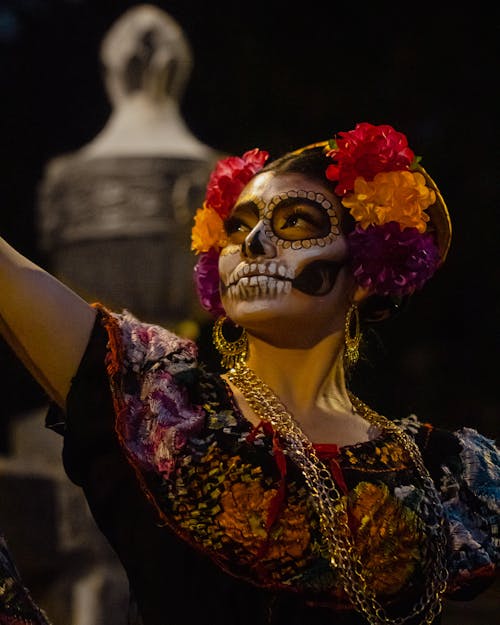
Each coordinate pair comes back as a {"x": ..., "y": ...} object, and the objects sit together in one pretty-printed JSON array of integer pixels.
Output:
[{"x": 113, "y": 220}]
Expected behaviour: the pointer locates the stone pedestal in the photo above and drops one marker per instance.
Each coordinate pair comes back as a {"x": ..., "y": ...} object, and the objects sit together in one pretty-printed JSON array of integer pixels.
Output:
[
  {"x": 64, "y": 560},
  {"x": 117, "y": 230}
]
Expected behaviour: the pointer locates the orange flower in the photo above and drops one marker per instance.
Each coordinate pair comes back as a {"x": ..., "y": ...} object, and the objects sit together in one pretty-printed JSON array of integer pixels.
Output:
[
  {"x": 400, "y": 196},
  {"x": 245, "y": 506},
  {"x": 208, "y": 230},
  {"x": 388, "y": 537}
]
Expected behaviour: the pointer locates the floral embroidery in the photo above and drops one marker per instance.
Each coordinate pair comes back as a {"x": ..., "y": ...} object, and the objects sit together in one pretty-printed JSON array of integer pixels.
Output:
[
  {"x": 381, "y": 455},
  {"x": 159, "y": 416},
  {"x": 243, "y": 518},
  {"x": 388, "y": 537},
  {"x": 214, "y": 480},
  {"x": 390, "y": 452}
]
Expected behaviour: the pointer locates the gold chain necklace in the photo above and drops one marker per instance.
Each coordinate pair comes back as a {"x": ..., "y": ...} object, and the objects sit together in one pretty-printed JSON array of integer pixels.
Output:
[{"x": 331, "y": 507}]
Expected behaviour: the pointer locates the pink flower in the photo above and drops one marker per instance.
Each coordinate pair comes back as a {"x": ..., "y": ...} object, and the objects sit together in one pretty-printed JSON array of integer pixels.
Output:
[
  {"x": 366, "y": 151},
  {"x": 206, "y": 279},
  {"x": 391, "y": 261},
  {"x": 229, "y": 177}
]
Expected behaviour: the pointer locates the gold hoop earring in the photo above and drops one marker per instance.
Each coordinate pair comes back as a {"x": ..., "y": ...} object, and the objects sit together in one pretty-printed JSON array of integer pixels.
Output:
[
  {"x": 233, "y": 353},
  {"x": 352, "y": 341}
]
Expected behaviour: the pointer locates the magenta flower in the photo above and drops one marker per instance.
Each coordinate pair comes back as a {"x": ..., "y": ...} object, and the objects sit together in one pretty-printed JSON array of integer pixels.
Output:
[
  {"x": 206, "y": 280},
  {"x": 391, "y": 261}
]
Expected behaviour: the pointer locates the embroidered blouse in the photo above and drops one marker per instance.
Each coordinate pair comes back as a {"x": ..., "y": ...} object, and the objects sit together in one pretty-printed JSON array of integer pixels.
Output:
[{"x": 197, "y": 501}]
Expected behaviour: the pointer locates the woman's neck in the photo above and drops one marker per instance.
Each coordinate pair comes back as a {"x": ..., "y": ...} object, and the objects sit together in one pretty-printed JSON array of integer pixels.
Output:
[
  {"x": 305, "y": 380},
  {"x": 310, "y": 382}
]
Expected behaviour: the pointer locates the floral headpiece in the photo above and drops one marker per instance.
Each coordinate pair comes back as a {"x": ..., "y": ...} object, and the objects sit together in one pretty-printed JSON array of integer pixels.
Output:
[
  {"x": 225, "y": 184},
  {"x": 402, "y": 229},
  {"x": 379, "y": 179}
]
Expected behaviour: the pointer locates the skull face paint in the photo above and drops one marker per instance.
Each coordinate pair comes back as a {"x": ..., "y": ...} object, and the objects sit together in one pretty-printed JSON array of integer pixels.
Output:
[{"x": 284, "y": 237}]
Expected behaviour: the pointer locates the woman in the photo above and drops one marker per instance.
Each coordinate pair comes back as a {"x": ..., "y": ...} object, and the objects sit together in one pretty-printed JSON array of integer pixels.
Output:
[{"x": 269, "y": 493}]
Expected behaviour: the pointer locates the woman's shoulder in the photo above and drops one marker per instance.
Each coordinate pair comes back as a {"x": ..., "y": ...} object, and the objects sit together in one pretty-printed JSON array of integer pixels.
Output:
[
  {"x": 464, "y": 451},
  {"x": 444, "y": 446},
  {"x": 465, "y": 467},
  {"x": 476, "y": 466},
  {"x": 145, "y": 346}
]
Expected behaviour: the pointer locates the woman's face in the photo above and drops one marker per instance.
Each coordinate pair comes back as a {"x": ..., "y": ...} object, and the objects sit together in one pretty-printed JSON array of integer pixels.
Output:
[{"x": 283, "y": 269}]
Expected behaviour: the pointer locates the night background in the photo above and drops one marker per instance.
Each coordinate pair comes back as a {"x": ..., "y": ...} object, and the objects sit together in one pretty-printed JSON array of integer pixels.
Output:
[
  {"x": 277, "y": 76},
  {"x": 271, "y": 75}
]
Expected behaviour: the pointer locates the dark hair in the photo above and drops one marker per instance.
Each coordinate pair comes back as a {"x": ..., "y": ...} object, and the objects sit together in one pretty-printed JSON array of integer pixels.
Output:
[{"x": 310, "y": 161}]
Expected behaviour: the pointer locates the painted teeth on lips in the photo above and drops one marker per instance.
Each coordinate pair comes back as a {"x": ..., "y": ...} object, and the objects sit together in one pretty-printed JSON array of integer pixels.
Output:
[
  {"x": 262, "y": 270},
  {"x": 254, "y": 287}
]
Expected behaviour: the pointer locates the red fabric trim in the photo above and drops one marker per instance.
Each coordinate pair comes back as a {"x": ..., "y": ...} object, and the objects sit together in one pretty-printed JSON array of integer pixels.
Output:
[
  {"x": 330, "y": 452},
  {"x": 276, "y": 505},
  {"x": 325, "y": 449}
]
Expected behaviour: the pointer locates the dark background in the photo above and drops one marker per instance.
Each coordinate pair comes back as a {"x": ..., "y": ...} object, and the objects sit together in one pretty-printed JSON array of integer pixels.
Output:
[{"x": 277, "y": 76}]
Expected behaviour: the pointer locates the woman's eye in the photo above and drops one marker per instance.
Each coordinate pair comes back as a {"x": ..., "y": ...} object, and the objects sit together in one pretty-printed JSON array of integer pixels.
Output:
[
  {"x": 305, "y": 221},
  {"x": 295, "y": 218},
  {"x": 237, "y": 229},
  {"x": 241, "y": 222},
  {"x": 233, "y": 224}
]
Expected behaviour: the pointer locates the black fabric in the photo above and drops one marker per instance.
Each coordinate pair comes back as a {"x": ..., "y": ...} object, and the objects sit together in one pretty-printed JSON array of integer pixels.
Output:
[{"x": 171, "y": 583}]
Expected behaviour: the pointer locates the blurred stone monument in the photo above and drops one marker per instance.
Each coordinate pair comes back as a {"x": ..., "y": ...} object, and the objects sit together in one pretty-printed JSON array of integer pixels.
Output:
[
  {"x": 115, "y": 216},
  {"x": 114, "y": 222}
]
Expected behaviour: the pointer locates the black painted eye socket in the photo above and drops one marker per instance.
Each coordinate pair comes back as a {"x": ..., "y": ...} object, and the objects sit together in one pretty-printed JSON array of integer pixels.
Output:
[
  {"x": 242, "y": 221},
  {"x": 297, "y": 219},
  {"x": 292, "y": 219}
]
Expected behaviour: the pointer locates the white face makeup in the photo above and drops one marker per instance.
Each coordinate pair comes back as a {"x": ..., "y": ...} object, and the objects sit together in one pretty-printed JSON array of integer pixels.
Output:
[{"x": 285, "y": 252}]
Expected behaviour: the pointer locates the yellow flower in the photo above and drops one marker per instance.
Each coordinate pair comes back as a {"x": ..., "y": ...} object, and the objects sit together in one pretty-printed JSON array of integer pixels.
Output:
[
  {"x": 208, "y": 230},
  {"x": 400, "y": 196},
  {"x": 391, "y": 454}
]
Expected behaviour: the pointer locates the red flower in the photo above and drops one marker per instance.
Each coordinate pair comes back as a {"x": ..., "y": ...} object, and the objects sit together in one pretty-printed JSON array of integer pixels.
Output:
[
  {"x": 229, "y": 177},
  {"x": 366, "y": 151}
]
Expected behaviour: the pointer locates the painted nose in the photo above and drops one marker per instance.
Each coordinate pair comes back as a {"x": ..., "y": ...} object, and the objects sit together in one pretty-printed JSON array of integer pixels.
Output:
[{"x": 257, "y": 244}]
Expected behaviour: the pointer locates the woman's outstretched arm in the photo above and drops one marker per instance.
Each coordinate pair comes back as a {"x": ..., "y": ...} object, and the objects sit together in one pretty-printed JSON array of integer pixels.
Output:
[{"x": 45, "y": 323}]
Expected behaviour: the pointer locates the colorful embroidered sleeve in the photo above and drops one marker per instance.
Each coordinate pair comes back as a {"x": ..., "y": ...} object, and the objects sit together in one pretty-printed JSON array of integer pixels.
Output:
[
  {"x": 471, "y": 498},
  {"x": 154, "y": 416}
]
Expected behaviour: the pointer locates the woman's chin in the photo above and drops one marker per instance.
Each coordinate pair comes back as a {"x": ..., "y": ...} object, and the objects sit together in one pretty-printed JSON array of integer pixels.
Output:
[
  {"x": 257, "y": 312},
  {"x": 247, "y": 313}
]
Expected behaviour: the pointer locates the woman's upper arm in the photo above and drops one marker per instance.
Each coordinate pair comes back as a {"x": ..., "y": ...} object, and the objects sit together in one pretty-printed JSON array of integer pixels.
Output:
[{"x": 45, "y": 323}]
